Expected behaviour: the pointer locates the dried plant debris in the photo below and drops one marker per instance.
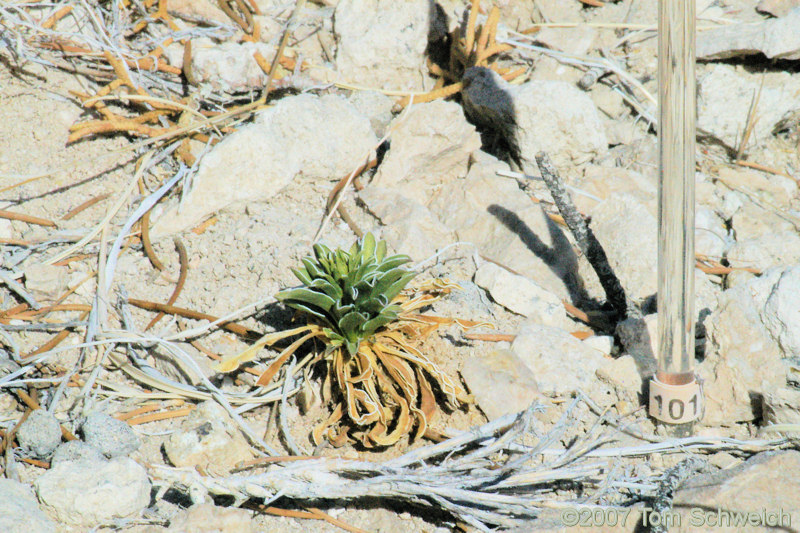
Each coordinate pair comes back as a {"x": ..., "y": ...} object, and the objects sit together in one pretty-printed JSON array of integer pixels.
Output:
[
  {"x": 135, "y": 87},
  {"x": 477, "y": 48},
  {"x": 354, "y": 302}
]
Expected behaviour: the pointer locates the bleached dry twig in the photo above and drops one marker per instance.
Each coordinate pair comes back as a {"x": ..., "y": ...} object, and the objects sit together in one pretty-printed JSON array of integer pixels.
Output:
[{"x": 483, "y": 476}]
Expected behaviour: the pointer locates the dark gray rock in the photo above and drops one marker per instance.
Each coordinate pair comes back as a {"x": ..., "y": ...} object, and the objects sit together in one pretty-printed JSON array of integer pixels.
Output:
[
  {"x": 40, "y": 434},
  {"x": 111, "y": 436}
]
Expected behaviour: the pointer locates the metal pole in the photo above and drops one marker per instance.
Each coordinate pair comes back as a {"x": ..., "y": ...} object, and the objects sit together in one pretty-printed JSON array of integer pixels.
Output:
[{"x": 674, "y": 394}]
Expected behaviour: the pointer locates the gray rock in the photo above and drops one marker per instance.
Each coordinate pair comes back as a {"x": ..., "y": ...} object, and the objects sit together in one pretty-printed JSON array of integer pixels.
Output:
[
  {"x": 738, "y": 277},
  {"x": 40, "y": 434},
  {"x": 723, "y": 460},
  {"x": 781, "y": 406},
  {"x": 410, "y": 227},
  {"x": 469, "y": 302},
  {"x": 376, "y": 106},
  {"x": 19, "y": 510},
  {"x": 742, "y": 357},
  {"x": 381, "y": 43},
  {"x": 75, "y": 450},
  {"x": 492, "y": 212},
  {"x": 766, "y": 483},
  {"x": 706, "y": 294},
  {"x": 522, "y": 295},
  {"x": 608, "y": 101},
  {"x": 724, "y": 96},
  {"x": 560, "y": 119},
  {"x": 302, "y": 136},
  {"x": 628, "y": 233},
  {"x": 731, "y": 202},
  {"x": 431, "y": 145},
  {"x": 777, "y": 8},
  {"x": 560, "y": 362},
  {"x": 111, "y": 436},
  {"x": 88, "y": 493},
  {"x": 768, "y": 250},
  {"x": 775, "y": 38},
  {"x": 500, "y": 370},
  {"x": 208, "y": 437},
  {"x": 781, "y": 313}
]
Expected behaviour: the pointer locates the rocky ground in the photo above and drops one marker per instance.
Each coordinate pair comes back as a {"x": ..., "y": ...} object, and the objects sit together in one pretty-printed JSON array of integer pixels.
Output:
[{"x": 93, "y": 408}]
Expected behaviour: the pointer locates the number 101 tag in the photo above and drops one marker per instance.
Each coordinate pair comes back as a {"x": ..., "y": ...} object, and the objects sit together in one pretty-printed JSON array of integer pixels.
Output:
[{"x": 675, "y": 404}]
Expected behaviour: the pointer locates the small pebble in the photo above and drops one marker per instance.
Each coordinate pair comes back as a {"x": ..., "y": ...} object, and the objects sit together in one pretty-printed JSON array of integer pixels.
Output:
[
  {"x": 112, "y": 437},
  {"x": 40, "y": 434}
]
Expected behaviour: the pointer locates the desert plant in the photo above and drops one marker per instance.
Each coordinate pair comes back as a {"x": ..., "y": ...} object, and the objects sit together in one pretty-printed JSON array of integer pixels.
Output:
[
  {"x": 354, "y": 301},
  {"x": 350, "y": 292}
]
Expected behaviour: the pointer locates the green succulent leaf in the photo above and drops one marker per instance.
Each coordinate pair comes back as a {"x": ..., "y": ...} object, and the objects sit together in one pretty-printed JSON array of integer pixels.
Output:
[
  {"x": 330, "y": 288},
  {"x": 393, "y": 262},
  {"x": 313, "y": 269},
  {"x": 391, "y": 281},
  {"x": 350, "y": 324},
  {"x": 397, "y": 287},
  {"x": 350, "y": 292},
  {"x": 380, "y": 251},
  {"x": 386, "y": 316},
  {"x": 302, "y": 275},
  {"x": 307, "y": 296}
]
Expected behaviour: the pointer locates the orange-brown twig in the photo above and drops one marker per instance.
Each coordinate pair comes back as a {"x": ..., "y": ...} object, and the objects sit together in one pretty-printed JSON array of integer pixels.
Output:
[
  {"x": 55, "y": 17},
  {"x": 184, "y": 262},
  {"x": 164, "y": 415},
  {"x": 195, "y": 315},
  {"x": 54, "y": 341},
  {"x": 85, "y": 205},
  {"x": 29, "y": 219},
  {"x": 444, "y": 92}
]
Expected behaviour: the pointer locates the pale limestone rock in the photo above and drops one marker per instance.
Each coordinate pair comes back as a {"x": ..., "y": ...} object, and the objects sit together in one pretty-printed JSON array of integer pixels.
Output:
[
  {"x": 500, "y": 382},
  {"x": 765, "y": 485},
  {"x": 19, "y": 510},
  {"x": 724, "y": 96},
  {"x": 430, "y": 147},
  {"x": 90, "y": 493},
  {"x": 521, "y": 295},
  {"x": 208, "y": 438},
  {"x": 560, "y": 362},
  {"x": 781, "y": 406},
  {"x": 381, "y": 43},
  {"x": 410, "y": 228},
  {"x": 775, "y": 38},
  {"x": 628, "y": 233},
  {"x": 492, "y": 212},
  {"x": 303, "y": 136}
]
